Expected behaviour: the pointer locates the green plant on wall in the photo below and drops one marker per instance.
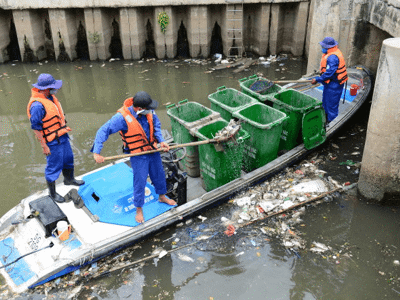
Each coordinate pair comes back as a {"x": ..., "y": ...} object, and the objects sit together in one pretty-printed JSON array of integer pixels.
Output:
[
  {"x": 163, "y": 20},
  {"x": 94, "y": 37}
]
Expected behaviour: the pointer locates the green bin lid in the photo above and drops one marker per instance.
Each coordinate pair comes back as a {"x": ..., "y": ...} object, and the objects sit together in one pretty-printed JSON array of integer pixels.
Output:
[{"x": 314, "y": 133}]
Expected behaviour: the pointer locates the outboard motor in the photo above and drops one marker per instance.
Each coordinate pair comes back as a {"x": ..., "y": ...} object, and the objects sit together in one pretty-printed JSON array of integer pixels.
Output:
[{"x": 176, "y": 181}]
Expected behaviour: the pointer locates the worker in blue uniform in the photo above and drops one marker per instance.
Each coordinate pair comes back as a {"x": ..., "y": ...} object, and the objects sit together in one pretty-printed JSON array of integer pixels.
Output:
[
  {"x": 333, "y": 75},
  {"x": 140, "y": 129},
  {"x": 49, "y": 125}
]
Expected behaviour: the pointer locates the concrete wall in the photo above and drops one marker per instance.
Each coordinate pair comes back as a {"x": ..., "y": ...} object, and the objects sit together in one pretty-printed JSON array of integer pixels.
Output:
[
  {"x": 29, "y": 25},
  {"x": 273, "y": 26},
  {"x": 63, "y": 24},
  {"x": 35, "y": 4},
  {"x": 4, "y": 34},
  {"x": 256, "y": 28},
  {"x": 359, "y": 26},
  {"x": 267, "y": 27}
]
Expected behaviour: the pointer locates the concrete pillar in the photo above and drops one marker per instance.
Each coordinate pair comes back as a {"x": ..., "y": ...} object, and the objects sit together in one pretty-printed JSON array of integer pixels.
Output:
[
  {"x": 309, "y": 27},
  {"x": 4, "y": 36},
  {"x": 260, "y": 29},
  {"x": 324, "y": 23},
  {"x": 380, "y": 167},
  {"x": 275, "y": 29},
  {"x": 165, "y": 43},
  {"x": 64, "y": 29},
  {"x": 133, "y": 36},
  {"x": 199, "y": 31},
  {"x": 98, "y": 32},
  {"x": 29, "y": 26},
  {"x": 299, "y": 29}
]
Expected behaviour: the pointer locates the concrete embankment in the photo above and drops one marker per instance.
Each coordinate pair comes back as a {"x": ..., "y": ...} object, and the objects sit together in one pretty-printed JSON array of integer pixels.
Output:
[
  {"x": 163, "y": 29},
  {"x": 34, "y": 30}
]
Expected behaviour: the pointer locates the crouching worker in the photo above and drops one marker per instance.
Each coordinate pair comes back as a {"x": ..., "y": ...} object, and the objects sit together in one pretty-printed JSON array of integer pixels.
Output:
[
  {"x": 48, "y": 123},
  {"x": 140, "y": 129}
]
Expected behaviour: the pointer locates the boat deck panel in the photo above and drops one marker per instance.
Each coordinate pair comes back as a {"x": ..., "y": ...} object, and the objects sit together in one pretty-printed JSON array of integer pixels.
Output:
[
  {"x": 19, "y": 272},
  {"x": 90, "y": 232}
]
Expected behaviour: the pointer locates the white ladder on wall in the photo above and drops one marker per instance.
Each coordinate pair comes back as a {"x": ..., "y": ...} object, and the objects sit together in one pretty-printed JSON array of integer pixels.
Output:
[{"x": 234, "y": 22}]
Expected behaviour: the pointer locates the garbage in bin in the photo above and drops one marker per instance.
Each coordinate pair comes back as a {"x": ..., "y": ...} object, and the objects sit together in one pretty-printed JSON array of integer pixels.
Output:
[
  {"x": 219, "y": 168},
  {"x": 264, "y": 125},
  {"x": 227, "y": 100},
  {"x": 184, "y": 117},
  {"x": 306, "y": 122},
  {"x": 259, "y": 88}
]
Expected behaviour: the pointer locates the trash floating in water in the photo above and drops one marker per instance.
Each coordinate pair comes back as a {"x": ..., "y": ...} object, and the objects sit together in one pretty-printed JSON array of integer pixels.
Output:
[
  {"x": 162, "y": 253},
  {"x": 74, "y": 293},
  {"x": 313, "y": 186},
  {"x": 319, "y": 247},
  {"x": 202, "y": 218},
  {"x": 218, "y": 57},
  {"x": 224, "y": 220},
  {"x": 348, "y": 163},
  {"x": 243, "y": 201},
  {"x": 230, "y": 230},
  {"x": 203, "y": 237},
  {"x": 184, "y": 257}
]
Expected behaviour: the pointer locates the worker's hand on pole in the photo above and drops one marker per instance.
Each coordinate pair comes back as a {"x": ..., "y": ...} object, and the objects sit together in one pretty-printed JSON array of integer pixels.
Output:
[
  {"x": 164, "y": 146},
  {"x": 313, "y": 81},
  {"x": 98, "y": 158}
]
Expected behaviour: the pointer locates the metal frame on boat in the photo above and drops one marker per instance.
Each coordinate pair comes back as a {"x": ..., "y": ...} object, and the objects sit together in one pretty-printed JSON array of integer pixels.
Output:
[{"x": 92, "y": 240}]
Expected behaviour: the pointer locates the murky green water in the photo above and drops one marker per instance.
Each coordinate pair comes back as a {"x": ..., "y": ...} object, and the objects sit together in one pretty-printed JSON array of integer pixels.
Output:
[{"x": 248, "y": 265}]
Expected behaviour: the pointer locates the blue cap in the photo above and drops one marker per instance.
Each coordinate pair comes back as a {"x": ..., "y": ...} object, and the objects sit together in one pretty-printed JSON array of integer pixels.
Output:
[
  {"x": 143, "y": 100},
  {"x": 328, "y": 42},
  {"x": 46, "y": 81}
]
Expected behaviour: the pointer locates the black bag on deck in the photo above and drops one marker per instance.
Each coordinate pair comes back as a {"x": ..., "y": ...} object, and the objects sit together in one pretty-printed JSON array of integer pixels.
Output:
[{"x": 49, "y": 213}]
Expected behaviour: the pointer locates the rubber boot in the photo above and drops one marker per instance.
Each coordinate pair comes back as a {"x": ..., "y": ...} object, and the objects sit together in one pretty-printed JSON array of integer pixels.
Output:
[
  {"x": 69, "y": 178},
  {"x": 52, "y": 192}
]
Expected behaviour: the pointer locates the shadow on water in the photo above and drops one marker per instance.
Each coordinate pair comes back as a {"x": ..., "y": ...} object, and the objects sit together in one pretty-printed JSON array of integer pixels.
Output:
[{"x": 247, "y": 265}]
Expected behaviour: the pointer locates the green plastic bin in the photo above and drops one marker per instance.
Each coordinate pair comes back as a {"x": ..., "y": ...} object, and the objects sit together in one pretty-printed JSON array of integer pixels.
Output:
[
  {"x": 294, "y": 104},
  {"x": 227, "y": 100},
  {"x": 219, "y": 168},
  {"x": 257, "y": 87},
  {"x": 264, "y": 125},
  {"x": 184, "y": 117}
]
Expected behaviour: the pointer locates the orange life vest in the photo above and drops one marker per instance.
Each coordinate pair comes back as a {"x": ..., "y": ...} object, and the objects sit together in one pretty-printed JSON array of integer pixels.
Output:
[
  {"x": 54, "y": 123},
  {"x": 341, "y": 72},
  {"x": 135, "y": 138}
]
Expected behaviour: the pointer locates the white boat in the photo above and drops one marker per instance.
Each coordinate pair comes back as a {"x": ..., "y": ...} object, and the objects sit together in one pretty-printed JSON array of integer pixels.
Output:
[{"x": 31, "y": 253}]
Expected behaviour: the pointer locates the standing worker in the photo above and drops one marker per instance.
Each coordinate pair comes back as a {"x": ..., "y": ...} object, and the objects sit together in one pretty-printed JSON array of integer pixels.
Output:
[
  {"x": 140, "y": 129},
  {"x": 333, "y": 75},
  {"x": 49, "y": 125}
]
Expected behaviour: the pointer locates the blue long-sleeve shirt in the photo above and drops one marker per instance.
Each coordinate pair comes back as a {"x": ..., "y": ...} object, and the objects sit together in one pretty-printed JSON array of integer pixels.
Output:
[
  {"x": 332, "y": 64},
  {"x": 118, "y": 123},
  {"x": 37, "y": 114}
]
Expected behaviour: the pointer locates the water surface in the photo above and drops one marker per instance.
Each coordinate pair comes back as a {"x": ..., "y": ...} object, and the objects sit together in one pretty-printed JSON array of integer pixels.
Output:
[{"x": 248, "y": 265}]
